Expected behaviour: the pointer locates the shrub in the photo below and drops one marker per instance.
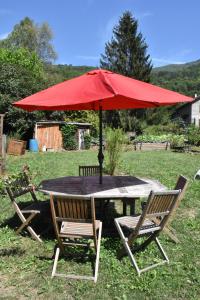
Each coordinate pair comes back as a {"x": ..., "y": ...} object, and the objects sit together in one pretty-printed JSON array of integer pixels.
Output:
[
  {"x": 177, "y": 141},
  {"x": 87, "y": 141},
  {"x": 69, "y": 137},
  {"x": 174, "y": 139},
  {"x": 115, "y": 139},
  {"x": 193, "y": 135},
  {"x": 173, "y": 128},
  {"x": 153, "y": 138}
]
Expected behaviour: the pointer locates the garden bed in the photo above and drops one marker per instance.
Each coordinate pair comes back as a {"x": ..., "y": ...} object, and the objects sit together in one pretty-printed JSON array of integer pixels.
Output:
[{"x": 151, "y": 146}]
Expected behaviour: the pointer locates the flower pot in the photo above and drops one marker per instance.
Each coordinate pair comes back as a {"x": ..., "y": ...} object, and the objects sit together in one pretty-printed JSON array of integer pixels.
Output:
[{"x": 16, "y": 147}]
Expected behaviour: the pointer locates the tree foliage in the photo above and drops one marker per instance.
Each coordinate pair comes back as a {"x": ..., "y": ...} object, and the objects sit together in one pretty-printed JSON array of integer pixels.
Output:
[
  {"x": 69, "y": 136},
  {"x": 21, "y": 74},
  {"x": 126, "y": 54},
  {"x": 35, "y": 38}
]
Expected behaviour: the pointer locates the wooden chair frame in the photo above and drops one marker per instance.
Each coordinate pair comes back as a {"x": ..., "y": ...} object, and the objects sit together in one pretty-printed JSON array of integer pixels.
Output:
[
  {"x": 74, "y": 211},
  {"x": 17, "y": 188},
  {"x": 181, "y": 184},
  {"x": 94, "y": 170},
  {"x": 89, "y": 170},
  {"x": 159, "y": 206}
]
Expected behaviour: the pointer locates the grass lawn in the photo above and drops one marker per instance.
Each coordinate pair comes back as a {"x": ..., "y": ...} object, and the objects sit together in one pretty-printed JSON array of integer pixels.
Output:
[{"x": 25, "y": 265}]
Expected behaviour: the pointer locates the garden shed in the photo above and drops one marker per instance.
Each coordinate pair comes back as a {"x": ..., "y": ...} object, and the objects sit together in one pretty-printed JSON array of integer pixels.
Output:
[{"x": 49, "y": 135}]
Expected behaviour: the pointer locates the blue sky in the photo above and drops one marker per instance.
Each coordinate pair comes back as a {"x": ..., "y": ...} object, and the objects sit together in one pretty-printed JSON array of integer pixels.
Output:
[{"x": 81, "y": 27}]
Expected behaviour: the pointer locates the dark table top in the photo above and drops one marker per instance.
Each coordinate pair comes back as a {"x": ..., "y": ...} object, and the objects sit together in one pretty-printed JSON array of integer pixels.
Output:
[{"x": 113, "y": 187}]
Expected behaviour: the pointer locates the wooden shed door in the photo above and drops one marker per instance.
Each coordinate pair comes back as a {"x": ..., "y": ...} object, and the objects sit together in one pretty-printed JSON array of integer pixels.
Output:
[{"x": 49, "y": 136}]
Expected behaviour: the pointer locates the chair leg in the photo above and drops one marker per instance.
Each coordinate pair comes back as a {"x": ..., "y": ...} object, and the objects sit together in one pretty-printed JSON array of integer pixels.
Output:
[
  {"x": 127, "y": 247},
  {"x": 55, "y": 262},
  {"x": 29, "y": 228},
  {"x": 34, "y": 235},
  {"x": 171, "y": 235},
  {"x": 72, "y": 276},
  {"x": 169, "y": 231},
  {"x": 24, "y": 224},
  {"x": 98, "y": 254}
]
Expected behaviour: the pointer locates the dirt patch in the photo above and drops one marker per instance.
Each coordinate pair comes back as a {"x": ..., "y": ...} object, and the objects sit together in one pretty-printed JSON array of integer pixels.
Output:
[
  {"x": 6, "y": 291},
  {"x": 189, "y": 213}
]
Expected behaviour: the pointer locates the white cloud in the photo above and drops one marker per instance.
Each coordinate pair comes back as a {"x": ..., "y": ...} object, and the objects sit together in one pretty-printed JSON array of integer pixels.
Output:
[
  {"x": 4, "y": 35},
  {"x": 162, "y": 61},
  {"x": 185, "y": 52},
  {"x": 87, "y": 57},
  {"x": 143, "y": 15},
  {"x": 5, "y": 12},
  {"x": 107, "y": 31}
]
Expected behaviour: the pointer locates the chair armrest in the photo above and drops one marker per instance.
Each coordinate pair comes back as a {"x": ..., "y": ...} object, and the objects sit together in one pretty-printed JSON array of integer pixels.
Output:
[{"x": 30, "y": 211}]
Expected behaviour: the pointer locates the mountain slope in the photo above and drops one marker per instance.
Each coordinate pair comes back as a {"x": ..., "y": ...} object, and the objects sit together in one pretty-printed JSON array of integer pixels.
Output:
[
  {"x": 176, "y": 67},
  {"x": 183, "y": 78}
]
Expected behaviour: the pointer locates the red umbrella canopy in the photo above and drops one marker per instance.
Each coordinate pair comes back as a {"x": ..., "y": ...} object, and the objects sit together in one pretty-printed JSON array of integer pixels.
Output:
[{"x": 101, "y": 88}]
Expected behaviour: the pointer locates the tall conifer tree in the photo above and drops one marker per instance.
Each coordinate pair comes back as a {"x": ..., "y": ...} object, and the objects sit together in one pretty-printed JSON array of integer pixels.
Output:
[{"x": 126, "y": 54}]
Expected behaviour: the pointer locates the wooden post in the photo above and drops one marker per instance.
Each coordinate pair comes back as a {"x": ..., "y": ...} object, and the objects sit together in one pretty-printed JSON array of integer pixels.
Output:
[{"x": 2, "y": 162}]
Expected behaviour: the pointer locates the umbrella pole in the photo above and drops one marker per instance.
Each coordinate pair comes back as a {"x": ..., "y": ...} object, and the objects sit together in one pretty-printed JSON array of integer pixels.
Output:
[{"x": 100, "y": 154}]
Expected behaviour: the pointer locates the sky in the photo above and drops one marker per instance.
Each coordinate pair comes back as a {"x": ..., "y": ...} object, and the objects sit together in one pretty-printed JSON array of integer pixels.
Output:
[{"x": 82, "y": 27}]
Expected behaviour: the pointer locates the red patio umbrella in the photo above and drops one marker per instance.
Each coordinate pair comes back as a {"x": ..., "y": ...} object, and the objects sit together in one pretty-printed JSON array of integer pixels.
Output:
[{"x": 101, "y": 90}]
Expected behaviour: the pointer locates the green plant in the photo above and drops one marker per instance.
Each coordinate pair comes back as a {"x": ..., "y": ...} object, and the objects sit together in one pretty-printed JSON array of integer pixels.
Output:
[
  {"x": 150, "y": 138},
  {"x": 87, "y": 141},
  {"x": 69, "y": 137},
  {"x": 193, "y": 135},
  {"x": 115, "y": 139},
  {"x": 177, "y": 141}
]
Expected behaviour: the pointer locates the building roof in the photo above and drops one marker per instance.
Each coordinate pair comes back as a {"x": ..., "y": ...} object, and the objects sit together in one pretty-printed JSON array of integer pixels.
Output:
[
  {"x": 188, "y": 103},
  {"x": 64, "y": 123}
]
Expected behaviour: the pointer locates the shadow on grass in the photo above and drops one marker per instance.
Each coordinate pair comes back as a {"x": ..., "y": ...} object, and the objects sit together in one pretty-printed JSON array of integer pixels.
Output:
[
  {"x": 41, "y": 223},
  {"x": 12, "y": 252}
]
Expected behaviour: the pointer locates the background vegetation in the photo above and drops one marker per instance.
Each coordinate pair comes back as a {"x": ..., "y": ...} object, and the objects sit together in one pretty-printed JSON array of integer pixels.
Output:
[{"x": 27, "y": 59}]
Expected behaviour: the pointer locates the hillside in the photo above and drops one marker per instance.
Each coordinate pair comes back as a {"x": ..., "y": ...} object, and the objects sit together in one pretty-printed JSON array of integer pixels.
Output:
[
  {"x": 59, "y": 73},
  {"x": 184, "y": 78},
  {"x": 176, "y": 67}
]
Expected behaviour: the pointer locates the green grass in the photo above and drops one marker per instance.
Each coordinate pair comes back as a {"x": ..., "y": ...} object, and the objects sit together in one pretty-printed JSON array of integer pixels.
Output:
[{"x": 25, "y": 265}]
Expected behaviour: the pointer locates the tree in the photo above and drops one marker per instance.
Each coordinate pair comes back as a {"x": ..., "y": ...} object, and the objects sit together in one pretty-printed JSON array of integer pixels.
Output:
[
  {"x": 21, "y": 74},
  {"x": 33, "y": 37},
  {"x": 126, "y": 54}
]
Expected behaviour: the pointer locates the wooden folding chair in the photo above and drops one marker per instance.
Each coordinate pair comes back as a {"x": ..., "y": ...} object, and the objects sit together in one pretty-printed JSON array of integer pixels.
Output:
[
  {"x": 89, "y": 170},
  {"x": 94, "y": 171},
  {"x": 74, "y": 219},
  {"x": 19, "y": 187},
  {"x": 159, "y": 206},
  {"x": 181, "y": 184}
]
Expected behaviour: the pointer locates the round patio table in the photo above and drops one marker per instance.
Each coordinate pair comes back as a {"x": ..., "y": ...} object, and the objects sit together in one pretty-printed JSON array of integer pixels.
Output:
[{"x": 113, "y": 187}]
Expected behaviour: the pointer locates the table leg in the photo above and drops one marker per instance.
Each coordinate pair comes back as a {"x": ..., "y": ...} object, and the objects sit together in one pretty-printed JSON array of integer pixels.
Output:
[
  {"x": 124, "y": 207},
  {"x": 132, "y": 206}
]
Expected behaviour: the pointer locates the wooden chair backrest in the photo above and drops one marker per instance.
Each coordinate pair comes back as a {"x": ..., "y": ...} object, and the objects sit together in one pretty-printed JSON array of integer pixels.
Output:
[
  {"x": 181, "y": 184},
  {"x": 159, "y": 205},
  {"x": 72, "y": 209},
  {"x": 89, "y": 170},
  {"x": 20, "y": 186}
]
